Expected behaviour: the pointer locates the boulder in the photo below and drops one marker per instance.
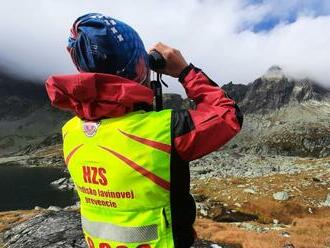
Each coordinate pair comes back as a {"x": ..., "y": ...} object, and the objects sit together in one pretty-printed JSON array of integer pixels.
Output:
[
  {"x": 281, "y": 196},
  {"x": 63, "y": 184}
]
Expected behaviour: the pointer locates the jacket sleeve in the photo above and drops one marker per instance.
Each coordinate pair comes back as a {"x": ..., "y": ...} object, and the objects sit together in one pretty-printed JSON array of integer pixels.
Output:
[{"x": 213, "y": 123}]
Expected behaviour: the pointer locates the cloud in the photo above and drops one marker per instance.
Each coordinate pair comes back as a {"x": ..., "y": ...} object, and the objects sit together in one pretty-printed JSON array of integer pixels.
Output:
[
  {"x": 217, "y": 35},
  {"x": 285, "y": 11}
]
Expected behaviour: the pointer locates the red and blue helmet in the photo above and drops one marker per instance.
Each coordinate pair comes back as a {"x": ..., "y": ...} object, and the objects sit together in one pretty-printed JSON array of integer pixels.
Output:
[{"x": 103, "y": 44}]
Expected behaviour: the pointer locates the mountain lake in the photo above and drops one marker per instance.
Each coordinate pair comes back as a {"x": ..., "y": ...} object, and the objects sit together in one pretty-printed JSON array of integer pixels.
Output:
[{"x": 24, "y": 188}]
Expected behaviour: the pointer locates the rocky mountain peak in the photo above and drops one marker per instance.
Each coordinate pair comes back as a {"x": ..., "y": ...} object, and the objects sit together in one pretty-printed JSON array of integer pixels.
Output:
[
  {"x": 275, "y": 89},
  {"x": 275, "y": 72}
]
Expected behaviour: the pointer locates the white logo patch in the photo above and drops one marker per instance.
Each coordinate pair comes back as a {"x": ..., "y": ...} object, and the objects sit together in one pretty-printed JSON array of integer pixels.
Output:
[{"x": 90, "y": 128}]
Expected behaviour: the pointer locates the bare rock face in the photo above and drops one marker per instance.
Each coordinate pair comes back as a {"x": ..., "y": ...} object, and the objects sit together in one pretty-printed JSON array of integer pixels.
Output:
[
  {"x": 50, "y": 229},
  {"x": 264, "y": 95},
  {"x": 236, "y": 91}
]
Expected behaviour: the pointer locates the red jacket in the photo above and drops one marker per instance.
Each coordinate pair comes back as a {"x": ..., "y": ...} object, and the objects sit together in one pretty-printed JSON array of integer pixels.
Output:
[{"x": 198, "y": 132}]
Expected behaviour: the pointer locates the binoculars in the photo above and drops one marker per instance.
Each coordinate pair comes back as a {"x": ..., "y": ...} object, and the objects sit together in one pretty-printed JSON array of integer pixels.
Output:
[{"x": 157, "y": 62}]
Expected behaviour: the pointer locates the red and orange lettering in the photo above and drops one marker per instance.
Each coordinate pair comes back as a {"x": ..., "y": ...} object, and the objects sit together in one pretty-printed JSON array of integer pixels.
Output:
[
  {"x": 104, "y": 245},
  {"x": 90, "y": 243},
  {"x": 103, "y": 181},
  {"x": 95, "y": 175},
  {"x": 87, "y": 174},
  {"x": 94, "y": 180}
]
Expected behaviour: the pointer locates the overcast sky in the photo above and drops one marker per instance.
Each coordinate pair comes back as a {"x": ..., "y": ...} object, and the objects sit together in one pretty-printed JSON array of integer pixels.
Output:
[{"x": 231, "y": 40}]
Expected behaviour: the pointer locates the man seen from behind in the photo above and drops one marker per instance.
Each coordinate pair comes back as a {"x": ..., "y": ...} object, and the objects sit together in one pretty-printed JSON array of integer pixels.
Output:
[{"x": 130, "y": 164}]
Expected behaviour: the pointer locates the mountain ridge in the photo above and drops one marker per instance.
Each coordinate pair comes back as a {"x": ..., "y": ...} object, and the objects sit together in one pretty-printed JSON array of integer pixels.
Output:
[
  {"x": 274, "y": 90},
  {"x": 19, "y": 97},
  {"x": 27, "y": 118}
]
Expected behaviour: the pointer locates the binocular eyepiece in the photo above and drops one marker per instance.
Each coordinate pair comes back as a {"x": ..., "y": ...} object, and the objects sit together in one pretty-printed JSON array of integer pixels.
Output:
[{"x": 156, "y": 61}]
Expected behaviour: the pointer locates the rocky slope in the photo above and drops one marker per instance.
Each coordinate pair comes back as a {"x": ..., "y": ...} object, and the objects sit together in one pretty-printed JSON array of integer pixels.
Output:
[
  {"x": 293, "y": 130},
  {"x": 19, "y": 98},
  {"x": 25, "y": 114},
  {"x": 283, "y": 116}
]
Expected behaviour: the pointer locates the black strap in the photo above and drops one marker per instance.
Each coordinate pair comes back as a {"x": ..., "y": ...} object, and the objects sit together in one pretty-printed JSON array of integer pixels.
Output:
[{"x": 156, "y": 86}]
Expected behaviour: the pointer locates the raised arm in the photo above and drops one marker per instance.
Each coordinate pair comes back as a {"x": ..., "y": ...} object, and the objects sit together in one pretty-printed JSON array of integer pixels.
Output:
[
  {"x": 216, "y": 118},
  {"x": 213, "y": 123}
]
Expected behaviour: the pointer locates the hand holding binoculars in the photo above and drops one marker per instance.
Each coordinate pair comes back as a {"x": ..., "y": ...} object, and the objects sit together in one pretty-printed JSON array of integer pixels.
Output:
[{"x": 164, "y": 60}]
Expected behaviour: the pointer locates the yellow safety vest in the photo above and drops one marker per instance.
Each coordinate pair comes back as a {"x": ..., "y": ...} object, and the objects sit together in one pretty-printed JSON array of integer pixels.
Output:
[{"x": 121, "y": 170}]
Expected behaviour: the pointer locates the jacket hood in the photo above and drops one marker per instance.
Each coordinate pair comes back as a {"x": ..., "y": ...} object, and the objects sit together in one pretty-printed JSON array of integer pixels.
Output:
[{"x": 93, "y": 96}]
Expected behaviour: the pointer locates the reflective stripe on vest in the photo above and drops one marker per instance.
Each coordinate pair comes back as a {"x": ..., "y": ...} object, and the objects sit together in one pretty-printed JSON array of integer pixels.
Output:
[
  {"x": 109, "y": 231},
  {"x": 121, "y": 170}
]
